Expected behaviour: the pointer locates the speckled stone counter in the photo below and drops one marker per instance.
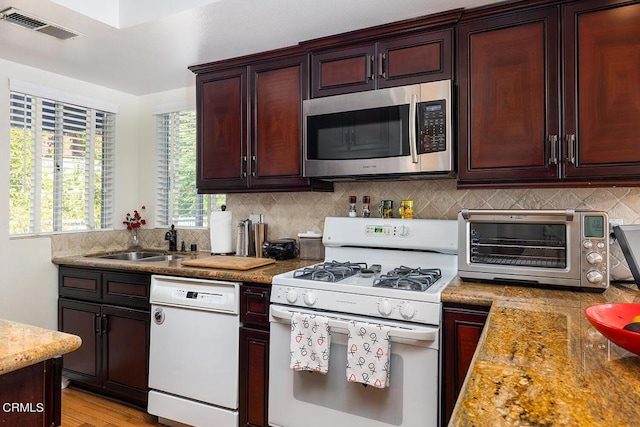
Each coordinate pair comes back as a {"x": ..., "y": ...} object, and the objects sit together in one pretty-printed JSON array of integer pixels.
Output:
[
  {"x": 175, "y": 267},
  {"x": 24, "y": 345},
  {"x": 540, "y": 362}
]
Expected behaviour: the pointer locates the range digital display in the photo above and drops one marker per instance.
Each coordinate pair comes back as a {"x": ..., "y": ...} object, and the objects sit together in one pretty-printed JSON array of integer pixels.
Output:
[{"x": 594, "y": 226}]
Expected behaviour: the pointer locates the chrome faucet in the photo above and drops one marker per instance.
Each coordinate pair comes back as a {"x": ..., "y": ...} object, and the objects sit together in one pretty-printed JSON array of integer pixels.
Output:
[{"x": 172, "y": 237}]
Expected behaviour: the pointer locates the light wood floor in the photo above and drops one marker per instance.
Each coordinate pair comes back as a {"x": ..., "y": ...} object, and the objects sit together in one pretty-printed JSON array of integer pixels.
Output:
[{"x": 81, "y": 409}]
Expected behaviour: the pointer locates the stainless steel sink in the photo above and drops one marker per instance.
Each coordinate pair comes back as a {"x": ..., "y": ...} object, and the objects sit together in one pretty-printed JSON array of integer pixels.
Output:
[
  {"x": 163, "y": 258},
  {"x": 132, "y": 256}
]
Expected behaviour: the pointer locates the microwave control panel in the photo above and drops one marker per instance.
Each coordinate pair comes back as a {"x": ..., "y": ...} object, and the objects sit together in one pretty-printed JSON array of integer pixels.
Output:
[{"x": 432, "y": 126}]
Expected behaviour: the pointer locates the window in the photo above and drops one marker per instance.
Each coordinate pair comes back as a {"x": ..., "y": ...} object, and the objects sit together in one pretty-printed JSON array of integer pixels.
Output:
[
  {"x": 177, "y": 200},
  {"x": 61, "y": 166}
]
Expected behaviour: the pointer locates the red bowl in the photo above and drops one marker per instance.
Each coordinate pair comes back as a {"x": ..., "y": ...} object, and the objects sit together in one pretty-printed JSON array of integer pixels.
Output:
[{"x": 609, "y": 319}]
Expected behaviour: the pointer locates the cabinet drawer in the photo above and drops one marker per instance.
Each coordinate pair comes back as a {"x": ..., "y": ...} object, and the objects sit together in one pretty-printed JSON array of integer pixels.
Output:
[
  {"x": 128, "y": 289},
  {"x": 254, "y": 305},
  {"x": 79, "y": 283}
]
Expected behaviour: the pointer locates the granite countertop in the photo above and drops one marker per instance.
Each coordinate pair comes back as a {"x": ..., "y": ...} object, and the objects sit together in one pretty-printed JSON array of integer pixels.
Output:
[
  {"x": 24, "y": 345},
  {"x": 175, "y": 268},
  {"x": 540, "y": 362}
]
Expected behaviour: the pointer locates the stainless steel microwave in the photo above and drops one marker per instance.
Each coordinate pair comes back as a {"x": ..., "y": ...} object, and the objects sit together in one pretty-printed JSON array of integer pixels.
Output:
[
  {"x": 560, "y": 248},
  {"x": 404, "y": 130}
]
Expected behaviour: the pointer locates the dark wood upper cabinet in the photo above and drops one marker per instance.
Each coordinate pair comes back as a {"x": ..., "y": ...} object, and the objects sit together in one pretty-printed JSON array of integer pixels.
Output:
[
  {"x": 387, "y": 63},
  {"x": 250, "y": 125},
  {"x": 548, "y": 96},
  {"x": 508, "y": 121},
  {"x": 602, "y": 94},
  {"x": 222, "y": 122}
]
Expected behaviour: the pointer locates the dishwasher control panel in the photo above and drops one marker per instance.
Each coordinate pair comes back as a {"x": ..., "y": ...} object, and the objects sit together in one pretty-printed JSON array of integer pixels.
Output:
[{"x": 200, "y": 294}]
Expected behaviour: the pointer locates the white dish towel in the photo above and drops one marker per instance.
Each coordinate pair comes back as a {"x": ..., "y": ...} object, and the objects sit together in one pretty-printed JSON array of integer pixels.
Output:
[
  {"x": 310, "y": 343},
  {"x": 368, "y": 354}
]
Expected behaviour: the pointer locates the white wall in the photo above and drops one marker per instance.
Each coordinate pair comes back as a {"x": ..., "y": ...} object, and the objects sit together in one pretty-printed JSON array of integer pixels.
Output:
[{"x": 28, "y": 279}]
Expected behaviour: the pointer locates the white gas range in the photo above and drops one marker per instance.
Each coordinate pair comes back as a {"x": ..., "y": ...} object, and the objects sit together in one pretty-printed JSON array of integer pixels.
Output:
[{"x": 387, "y": 272}]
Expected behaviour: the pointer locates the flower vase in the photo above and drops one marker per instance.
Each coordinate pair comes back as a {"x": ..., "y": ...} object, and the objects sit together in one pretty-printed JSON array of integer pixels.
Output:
[{"x": 134, "y": 242}]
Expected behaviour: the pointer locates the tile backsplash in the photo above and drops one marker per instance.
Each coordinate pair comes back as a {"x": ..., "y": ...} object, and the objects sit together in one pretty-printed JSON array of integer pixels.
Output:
[{"x": 290, "y": 213}]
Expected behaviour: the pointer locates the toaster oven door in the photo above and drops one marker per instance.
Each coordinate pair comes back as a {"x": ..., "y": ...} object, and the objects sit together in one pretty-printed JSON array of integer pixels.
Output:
[{"x": 533, "y": 247}]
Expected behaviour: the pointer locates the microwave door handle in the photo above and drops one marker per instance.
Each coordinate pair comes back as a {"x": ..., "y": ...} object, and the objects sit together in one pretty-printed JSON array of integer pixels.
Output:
[
  {"x": 414, "y": 333},
  {"x": 413, "y": 149}
]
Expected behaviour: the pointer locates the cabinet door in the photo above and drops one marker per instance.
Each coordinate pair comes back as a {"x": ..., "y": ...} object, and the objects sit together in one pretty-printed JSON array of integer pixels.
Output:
[
  {"x": 222, "y": 121},
  {"x": 82, "y": 319},
  {"x": 39, "y": 387},
  {"x": 416, "y": 59},
  {"x": 254, "y": 377},
  {"x": 462, "y": 326},
  {"x": 343, "y": 70},
  {"x": 125, "y": 364},
  {"x": 277, "y": 90},
  {"x": 254, "y": 305},
  {"x": 508, "y": 111},
  {"x": 602, "y": 94}
]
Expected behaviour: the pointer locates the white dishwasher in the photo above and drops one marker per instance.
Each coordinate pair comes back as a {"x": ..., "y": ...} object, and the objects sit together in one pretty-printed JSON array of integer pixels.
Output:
[{"x": 193, "y": 355}]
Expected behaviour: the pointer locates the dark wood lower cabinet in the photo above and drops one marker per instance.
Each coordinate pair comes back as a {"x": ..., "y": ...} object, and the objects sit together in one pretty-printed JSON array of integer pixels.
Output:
[
  {"x": 113, "y": 322},
  {"x": 113, "y": 358},
  {"x": 462, "y": 326},
  {"x": 31, "y": 396},
  {"x": 254, "y": 355},
  {"x": 254, "y": 377}
]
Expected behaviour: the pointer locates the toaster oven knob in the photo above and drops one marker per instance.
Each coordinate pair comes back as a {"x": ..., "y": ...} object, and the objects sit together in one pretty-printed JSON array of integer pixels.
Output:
[
  {"x": 594, "y": 258},
  {"x": 594, "y": 276},
  {"x": 587, "y": 244},
  {"x": 384, "y": 307},
  {"x": 309, "y": 298},
  {"x": 292, "y": 296},
  {"x": 407, "y": 311}
]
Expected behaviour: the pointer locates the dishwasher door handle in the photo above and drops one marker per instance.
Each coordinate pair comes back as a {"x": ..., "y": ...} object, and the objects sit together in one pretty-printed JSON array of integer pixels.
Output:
[{"x": 416, "y": 333}]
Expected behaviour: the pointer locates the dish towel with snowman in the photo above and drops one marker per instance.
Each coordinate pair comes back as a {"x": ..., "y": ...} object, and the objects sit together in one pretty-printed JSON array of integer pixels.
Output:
[
  {"x": 310, "y": 343},
  {"x": 368, "y": 354}
]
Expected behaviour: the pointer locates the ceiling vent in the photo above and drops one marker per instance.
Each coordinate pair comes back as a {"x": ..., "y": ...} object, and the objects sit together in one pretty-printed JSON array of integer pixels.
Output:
[{"x": 30, "y": 22}]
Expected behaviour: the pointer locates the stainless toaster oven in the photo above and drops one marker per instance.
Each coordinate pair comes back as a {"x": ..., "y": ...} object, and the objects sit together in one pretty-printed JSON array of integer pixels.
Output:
[{"x": 564, "y": 248}]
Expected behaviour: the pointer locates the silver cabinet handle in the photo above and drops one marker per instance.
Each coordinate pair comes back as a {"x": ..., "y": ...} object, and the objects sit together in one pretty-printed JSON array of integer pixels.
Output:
[
  {"x": 369, "y": 70},
  {"x": 253, "y": 165},
  {"x": 571, "y": 148},
  {"x": 243, "y": 166},
  {"x": 553, "y": 149},
  {"x": 381, "y": 72}
]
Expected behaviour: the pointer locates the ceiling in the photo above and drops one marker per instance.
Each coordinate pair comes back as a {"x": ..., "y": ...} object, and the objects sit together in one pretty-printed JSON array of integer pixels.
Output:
[{"x": 141, "y": 53}]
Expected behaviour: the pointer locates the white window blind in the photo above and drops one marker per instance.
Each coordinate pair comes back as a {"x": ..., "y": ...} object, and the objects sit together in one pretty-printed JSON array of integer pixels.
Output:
[
  {"x": 61, "y": 167},
  {"x": 178, "y": 201}
]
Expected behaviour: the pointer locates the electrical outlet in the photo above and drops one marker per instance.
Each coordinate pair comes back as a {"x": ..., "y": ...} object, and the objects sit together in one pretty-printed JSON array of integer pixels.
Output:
[{"x": 613, "y": 222}]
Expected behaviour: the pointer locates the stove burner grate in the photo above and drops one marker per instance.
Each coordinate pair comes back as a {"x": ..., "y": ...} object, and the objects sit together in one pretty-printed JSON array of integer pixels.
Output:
[
  {"x": 407, "y": 278},
  {"x": 332, "y": 271}
]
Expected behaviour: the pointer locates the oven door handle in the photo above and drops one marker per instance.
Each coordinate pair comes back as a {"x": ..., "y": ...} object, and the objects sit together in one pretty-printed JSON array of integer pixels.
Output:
[
  {"x": 415, "y": 333},
  {"x": 568, "y": 213}
]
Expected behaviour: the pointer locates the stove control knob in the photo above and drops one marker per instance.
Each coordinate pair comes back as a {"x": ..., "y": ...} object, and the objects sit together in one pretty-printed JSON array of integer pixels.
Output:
[
  {"x": 403, "y": 231},
  {"x": 594, "y": 258},
  {"x": 292, "y": 296},
  {"x": 384, "y": 307},
  {"x": 309, "y": 298},
  {"x": 407, "y": 311}
]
